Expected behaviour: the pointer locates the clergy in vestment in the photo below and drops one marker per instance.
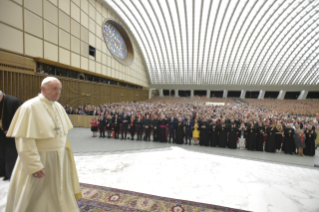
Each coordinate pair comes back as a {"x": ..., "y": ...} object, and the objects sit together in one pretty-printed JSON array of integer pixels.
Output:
[
  {"x": 232, "y": 144},
  {"x": 179, "y": 128},
  {"x": 260, "y": 137},
  {"x": 8, "y": 152},
  {"x": 204, "y": 129},
  {"x": 289, "y": 142},
  {"x": 44, "y": 177},
  {"x": 271, "y": 139},
  {"x": 214, "y": 134},
  {"x": 223, "y": 130}
]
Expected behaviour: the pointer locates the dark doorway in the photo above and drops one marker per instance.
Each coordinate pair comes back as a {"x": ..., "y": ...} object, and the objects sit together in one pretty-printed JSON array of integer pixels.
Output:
[
  {"x": 184, "y": 93},
  {"x": 313, "y": 95},
  {"x": 252, "y": 94},
  {"x": 201, "y": 93},
  {"x": 233, "y": 94},
  {"x": 271, "y": 94},
  {"x": 292, "y": 95},
  {"x": 216, "y": 94}
]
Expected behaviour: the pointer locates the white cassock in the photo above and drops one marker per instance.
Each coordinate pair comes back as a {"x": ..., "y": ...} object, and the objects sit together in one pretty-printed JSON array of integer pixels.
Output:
[{"x": 40, "y": 144}]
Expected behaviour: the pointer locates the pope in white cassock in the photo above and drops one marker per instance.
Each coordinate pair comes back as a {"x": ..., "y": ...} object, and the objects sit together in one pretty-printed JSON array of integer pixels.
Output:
[{"x": 44, "y": 178}]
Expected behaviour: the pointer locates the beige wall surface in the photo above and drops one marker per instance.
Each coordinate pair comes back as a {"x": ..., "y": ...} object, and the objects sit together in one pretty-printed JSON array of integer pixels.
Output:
[{"x": 61, "y": 31}]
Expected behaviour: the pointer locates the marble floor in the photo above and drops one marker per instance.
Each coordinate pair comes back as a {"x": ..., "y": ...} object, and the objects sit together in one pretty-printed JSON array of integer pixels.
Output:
[
  {"x": 208, "y": 178},
  {"x": 254, "y": 181}
]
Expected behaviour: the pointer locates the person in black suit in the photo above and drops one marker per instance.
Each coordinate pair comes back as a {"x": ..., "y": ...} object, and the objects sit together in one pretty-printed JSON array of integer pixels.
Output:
[
  {"x": 139, "y": 128},
  {"x": 125, "y": 121},
  {"x": 155, "y": 122},
  {"x": 188, "y": 129},
  {"x": 102, "y": 126},
  {"x": 116, "y": 123},
  {"x": 147, "y": 127},
  {"x": 109, "y": 125},
  {"x": 8, "y": 152}
]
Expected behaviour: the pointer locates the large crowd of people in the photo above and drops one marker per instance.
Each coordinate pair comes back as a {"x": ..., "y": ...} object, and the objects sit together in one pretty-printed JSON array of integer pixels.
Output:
[{"x": 197, "y": 121}]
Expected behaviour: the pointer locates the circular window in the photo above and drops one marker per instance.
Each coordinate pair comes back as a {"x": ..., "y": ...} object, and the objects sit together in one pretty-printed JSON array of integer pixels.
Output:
[{"x": 118, "y": 42}]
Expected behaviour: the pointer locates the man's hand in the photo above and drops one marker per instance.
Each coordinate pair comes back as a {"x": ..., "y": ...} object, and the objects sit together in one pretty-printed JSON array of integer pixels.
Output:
[
  {"x": 5, "y": 132},
  {"x": 39, "y": 174}
]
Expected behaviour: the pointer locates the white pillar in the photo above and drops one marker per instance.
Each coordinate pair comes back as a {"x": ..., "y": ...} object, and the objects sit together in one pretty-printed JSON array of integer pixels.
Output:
[
  {"x": 176, "y": 92},
  {"x": 303, "y": 95},
  {"x": 150, "y": 93},
  {"x": 192, "y": 93},
  {"x": 161, "y": 93},
  {"x": 208, "y": 94},
  {"x": 281, "y": 95},
  {"x": 242, "y": 94},
  {"x": 225, "y": 93},
  {"x": 261, "y": 94}
]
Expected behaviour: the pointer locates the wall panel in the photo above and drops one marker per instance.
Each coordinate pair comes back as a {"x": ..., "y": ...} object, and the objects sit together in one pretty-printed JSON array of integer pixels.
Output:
[
  {"x": 64, "y": 21},
  {"x": 64, "y": 39},
  {"x": 33, "y": 24},
  {"x": 50, "y": 51},
  {"x": 75, "y": 28},
  {"x": 7, "y": 8},
  {"x": 64, "y": 5},
  {"x": 11, "y": 39},
  {"x": 64, "y": 56},
  {"x": 34, "y": 5},
  {"x": 33, "y": 46},
  {"x": 75, "y": 45},
  {"x": 75, "y": 12},
  {"x": 50, "y": 12},
  {"x": 50, "y": 32}
]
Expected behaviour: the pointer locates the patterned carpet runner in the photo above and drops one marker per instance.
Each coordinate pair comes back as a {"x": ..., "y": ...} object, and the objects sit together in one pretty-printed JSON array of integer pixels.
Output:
[{"x": 102, "y": 199}]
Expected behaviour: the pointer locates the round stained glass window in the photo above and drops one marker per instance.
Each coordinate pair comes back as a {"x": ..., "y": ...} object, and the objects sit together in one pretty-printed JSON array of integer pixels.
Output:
[{"x": 114, "y": 41}]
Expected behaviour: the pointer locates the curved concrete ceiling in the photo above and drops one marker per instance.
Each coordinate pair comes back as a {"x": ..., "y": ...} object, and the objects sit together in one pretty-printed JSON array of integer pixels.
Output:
[{"x": 226, "y": 42}]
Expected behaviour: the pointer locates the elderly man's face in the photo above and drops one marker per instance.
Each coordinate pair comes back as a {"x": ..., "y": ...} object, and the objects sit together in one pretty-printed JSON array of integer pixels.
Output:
[
  {"x": 52, "y": 90},
  {"x": 1, "y": 97}
]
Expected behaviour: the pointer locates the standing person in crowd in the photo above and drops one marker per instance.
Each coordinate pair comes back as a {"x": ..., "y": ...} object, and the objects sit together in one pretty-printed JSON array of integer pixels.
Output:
[
  {"x": 278, "y": 137},
  {"x": 102, "y": 126},
  {"x": 223, "y": 132},
  {"x": 109, "y": 125},
  {"x": 162, "y": 133},
  {"x": 310, "y": 141},
  {"x": 289, "y": 143},
  {"x": 214, "y": 134},
  {"x": 155, "y": 127},
  {"x": 242, "y": 130},
  {"x": 196, "y": 131},
  {"x": 179, "y": 127},
  {"x": 204, "y": 128},
  {"x": 8, "y": 152},
  {"x": 260, "y": 137},
  {"x": 139, "y": 128},
  {"x": 188, "y": 130},
  {"x": 147, "y": 128},
  {"x": 232, "y": 144},
  {"x": 251, "y": 136},
  {"x": 132, "y": 127},
  {"x": 116, "y": 123},
  {"x": 124, "y": 124},
  {"x": 299, "y": 139},
  {"x": 271, "y": 138},
  {"x": 94, "y": 126},
  {"x": 171, "y": 127}
]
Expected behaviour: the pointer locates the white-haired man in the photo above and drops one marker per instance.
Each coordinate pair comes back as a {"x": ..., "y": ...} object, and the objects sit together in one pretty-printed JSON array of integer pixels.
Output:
[
  {"x": 8, "y": 153},
  {"x": 44, "y": 177}
]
